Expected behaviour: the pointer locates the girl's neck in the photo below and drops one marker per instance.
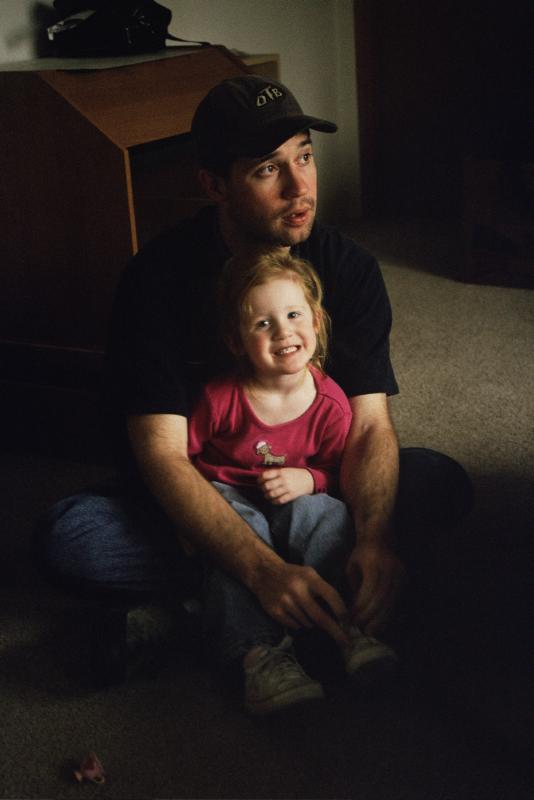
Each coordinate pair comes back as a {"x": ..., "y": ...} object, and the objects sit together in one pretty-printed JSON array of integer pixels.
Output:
[
  {"x": 282, "y": 399},
  {"x": 277, "y": 384}
]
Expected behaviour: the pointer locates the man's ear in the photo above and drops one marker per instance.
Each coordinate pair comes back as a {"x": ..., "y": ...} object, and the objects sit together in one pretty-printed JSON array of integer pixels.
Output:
[{"x": 214, "y": 186}]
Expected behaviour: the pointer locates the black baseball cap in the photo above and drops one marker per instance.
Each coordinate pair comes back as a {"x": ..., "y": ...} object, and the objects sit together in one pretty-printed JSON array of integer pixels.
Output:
[{"x": 248, "y": 116}]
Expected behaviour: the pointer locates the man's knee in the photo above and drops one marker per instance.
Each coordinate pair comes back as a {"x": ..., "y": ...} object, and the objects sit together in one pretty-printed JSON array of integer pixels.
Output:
[
  {"x": 66, "y": 538},
  {"x": 433, "y": 489}
]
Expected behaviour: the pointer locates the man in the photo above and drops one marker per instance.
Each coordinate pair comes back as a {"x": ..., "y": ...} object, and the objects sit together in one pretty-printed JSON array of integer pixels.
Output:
[{"x": 256, "y": 155}]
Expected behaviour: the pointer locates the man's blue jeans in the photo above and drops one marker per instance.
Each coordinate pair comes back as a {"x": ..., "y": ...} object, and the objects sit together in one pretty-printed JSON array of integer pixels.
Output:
[{"x": 115, "y": 542}]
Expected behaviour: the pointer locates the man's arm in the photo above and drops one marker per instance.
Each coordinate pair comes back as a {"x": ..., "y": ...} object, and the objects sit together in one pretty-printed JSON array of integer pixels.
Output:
[
  {"x": 369, "y": 480},
  {"x": 289, "y": 593}
]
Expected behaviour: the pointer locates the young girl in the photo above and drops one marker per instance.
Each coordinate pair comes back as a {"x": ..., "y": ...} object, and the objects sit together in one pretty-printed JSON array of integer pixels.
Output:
[{"x": 270, "y": 437}]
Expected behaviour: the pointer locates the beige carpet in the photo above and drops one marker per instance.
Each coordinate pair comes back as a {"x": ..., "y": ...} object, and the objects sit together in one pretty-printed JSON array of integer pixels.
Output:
[{"x": 464, "y": 359}]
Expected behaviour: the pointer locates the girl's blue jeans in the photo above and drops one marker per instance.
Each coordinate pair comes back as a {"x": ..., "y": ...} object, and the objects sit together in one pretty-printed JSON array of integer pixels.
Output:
[{"x": 313, "y": 530}]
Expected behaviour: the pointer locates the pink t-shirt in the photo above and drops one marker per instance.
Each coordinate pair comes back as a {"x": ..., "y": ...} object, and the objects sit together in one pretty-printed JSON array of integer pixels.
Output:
[{"x": 229, "y": 444}]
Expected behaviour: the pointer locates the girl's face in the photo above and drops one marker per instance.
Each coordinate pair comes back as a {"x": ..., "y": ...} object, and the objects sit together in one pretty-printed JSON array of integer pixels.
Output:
[{"x": 278, "y": 331}]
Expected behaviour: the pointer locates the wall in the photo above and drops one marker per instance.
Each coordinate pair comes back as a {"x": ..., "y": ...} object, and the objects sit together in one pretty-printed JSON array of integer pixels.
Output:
[
  {"x": 314, "y": 39},
  {"x": 441, "y": 84}
]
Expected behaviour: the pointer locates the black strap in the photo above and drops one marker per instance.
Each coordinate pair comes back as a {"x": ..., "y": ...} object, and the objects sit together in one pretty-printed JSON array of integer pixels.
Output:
[{"x": 186, "y": 41}]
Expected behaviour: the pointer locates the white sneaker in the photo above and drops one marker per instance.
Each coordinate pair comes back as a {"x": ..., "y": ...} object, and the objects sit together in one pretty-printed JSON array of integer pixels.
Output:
[
  {"x": 275, "y": 680},
  {"x": 367, "y": 659}
]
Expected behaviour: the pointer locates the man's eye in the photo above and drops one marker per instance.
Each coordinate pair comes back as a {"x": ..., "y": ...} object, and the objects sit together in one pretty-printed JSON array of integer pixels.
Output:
[
  {"x": 267, "y": 169},
  {"x": 307, "y": 157}
]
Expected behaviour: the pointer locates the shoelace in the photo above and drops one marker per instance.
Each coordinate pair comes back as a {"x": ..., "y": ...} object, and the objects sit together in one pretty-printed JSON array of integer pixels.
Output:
[
  {"x": 357, "y": 637},
  {"x": 283, "y": 660}
]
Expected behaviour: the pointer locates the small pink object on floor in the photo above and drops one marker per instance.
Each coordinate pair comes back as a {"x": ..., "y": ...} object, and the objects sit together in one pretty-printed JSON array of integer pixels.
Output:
[{"x": 90, "y": 770}]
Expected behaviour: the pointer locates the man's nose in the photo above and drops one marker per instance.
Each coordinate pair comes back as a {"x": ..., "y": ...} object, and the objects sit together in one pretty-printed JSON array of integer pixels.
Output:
[{"x": 295, "y": 184}]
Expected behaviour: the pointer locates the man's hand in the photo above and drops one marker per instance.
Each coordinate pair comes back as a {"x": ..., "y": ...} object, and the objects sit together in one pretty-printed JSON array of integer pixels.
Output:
[
  {"x": 376, "y": 576},
  {"x": 279, "y": 486},
  {"x": 297, "y": 597}
]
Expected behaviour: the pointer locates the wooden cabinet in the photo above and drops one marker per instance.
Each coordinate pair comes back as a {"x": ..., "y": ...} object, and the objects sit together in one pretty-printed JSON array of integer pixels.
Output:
[{"x": 93, "y": 163}]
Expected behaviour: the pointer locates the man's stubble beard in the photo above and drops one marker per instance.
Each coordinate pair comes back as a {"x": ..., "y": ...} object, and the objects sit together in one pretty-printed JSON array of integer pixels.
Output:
[{"x": 261, "y": 234}]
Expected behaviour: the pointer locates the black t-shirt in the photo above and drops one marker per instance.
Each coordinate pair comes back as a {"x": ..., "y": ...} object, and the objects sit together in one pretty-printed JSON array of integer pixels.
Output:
[{"x": 163, "y": 339}]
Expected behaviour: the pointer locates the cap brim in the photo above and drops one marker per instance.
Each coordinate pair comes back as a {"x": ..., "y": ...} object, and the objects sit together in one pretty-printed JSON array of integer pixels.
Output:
[{"x": 277, "y": 132}]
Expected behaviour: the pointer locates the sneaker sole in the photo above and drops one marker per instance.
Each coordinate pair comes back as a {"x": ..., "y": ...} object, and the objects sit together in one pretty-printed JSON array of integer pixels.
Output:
[
  {"x": 374, "y": 672},
  {"x": 284, "y": 701}
]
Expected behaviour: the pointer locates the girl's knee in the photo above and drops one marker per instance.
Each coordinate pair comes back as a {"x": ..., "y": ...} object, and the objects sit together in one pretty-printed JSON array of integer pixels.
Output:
[
  {"x": 319, "y": 521},
  {"x": 246, "y": 509},
  {"x": 321, "y": 507}
]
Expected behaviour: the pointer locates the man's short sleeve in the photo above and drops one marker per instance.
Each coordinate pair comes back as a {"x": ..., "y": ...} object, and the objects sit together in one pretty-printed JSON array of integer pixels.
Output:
[{"x": 357, "y": 302}]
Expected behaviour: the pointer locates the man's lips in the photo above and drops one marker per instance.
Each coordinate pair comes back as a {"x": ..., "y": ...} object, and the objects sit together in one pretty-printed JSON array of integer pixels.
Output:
[{"x": 298, "y": 216}]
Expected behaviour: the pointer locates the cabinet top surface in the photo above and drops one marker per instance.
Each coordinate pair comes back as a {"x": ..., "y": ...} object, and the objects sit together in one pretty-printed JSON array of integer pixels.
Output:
[{"x": 143, "y": 101}]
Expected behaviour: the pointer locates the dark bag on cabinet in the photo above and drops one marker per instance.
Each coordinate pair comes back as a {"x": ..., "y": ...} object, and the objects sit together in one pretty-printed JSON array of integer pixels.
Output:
[{"x": 110, "y": 27}]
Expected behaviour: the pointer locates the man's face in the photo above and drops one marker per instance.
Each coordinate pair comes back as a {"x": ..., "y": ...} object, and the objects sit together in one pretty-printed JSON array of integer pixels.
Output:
[{"x": 271, "y": 200}]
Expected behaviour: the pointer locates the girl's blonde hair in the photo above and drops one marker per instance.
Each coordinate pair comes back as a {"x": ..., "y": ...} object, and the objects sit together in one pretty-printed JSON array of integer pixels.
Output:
[{"x": 239, "y": 277}]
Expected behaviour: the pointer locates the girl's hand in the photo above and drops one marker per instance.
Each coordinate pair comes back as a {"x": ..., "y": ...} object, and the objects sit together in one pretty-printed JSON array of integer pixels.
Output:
[{"x": 279, "y": 486}]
